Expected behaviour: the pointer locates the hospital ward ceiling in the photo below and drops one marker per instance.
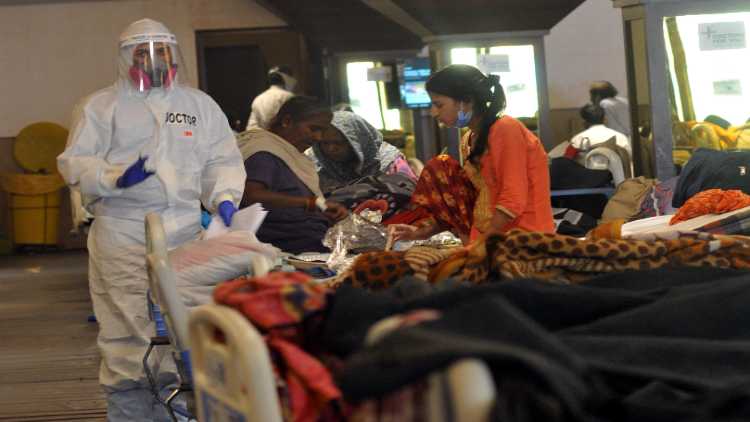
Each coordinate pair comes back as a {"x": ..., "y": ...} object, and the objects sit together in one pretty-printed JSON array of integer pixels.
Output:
[
  {"x": 376, "y": 25},
  {"x": 367, "y": 25}
]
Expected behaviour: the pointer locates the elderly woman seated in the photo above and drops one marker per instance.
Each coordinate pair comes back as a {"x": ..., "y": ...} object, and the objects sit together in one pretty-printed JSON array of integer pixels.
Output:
[
  {"x": 284, "y": 180},
  {"x": 352, "y": 149}
]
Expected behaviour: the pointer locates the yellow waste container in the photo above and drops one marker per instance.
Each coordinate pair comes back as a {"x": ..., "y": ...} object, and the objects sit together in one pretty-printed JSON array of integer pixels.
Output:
[{"x": 34, "y": 207}]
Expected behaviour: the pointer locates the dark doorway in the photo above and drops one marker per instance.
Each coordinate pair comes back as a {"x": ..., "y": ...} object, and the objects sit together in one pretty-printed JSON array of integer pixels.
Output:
[
  {"x": 233, "y": 64},
  {"x": 234, "y": 76}
]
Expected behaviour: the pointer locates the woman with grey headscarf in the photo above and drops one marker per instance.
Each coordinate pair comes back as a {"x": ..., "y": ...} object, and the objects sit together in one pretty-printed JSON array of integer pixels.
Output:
[{"x": 352, "y": 149}]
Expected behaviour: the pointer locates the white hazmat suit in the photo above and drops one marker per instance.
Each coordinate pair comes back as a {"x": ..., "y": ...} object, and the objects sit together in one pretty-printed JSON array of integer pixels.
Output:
[{"x": 192, "y": 151}]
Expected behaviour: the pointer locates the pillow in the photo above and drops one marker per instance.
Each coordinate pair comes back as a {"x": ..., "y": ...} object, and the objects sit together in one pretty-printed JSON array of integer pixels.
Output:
[{"x": 201, "y": 264}]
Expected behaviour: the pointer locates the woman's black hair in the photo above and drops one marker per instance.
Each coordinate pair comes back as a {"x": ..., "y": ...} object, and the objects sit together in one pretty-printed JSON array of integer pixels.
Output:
[
  {"x": 468, "y": 84},
  {"x": 299, "y": 108}
]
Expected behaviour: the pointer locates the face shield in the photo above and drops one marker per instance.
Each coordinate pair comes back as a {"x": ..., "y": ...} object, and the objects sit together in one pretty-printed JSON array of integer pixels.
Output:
[{"x": 150, "y": 57}]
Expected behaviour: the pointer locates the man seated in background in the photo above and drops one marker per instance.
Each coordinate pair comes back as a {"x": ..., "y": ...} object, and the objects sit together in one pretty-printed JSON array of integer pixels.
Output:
[
  {"x": 596, "y": 132},
  {"x": 616, "y": 109}
]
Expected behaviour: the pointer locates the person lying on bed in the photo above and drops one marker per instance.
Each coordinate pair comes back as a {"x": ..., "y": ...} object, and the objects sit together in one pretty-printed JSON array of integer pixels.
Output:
[{"x": 284, "y": 180}]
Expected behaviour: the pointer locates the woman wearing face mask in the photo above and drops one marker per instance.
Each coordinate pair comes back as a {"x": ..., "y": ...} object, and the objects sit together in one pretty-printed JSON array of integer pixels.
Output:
[
  {"x": 284, "y": 180},
  {"x": 504, "y": 183}
]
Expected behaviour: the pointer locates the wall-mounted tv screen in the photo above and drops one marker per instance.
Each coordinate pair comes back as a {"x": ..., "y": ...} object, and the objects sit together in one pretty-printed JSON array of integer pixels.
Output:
[{"x": 413, "y": 77}]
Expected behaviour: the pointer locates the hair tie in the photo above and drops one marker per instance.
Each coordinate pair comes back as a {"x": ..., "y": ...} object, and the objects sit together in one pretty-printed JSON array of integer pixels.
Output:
[{"x": 493, "y": 81}]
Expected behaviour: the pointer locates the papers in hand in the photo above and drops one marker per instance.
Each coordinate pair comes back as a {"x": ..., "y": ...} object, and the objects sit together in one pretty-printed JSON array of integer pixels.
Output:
[{"x": 247, "y": 219}]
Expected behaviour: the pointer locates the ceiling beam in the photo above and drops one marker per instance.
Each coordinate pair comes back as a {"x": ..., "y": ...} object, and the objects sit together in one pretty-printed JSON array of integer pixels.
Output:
[
  {"x": 487, "y": 36},
  {"x": 266, "y": 4},
  {"x": 393, "y": 12},
  {"x": 35, "y": 2}
]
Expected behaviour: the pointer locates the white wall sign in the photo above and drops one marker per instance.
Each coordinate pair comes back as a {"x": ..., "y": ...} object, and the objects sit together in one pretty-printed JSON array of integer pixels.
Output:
[
  {"x": 731, "y": 87},
  {"x": 379, "y": 74},
  {"x": 493, "y": 63},
  {"x": 722, "y": 36}
]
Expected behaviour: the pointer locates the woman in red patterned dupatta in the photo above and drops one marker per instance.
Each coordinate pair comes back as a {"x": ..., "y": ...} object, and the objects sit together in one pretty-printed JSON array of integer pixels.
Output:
[{"x": 504, "y": 183}]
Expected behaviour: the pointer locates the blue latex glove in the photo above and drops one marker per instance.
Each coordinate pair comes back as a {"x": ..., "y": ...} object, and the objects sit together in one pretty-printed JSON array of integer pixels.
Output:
[
  {"x": 205, "y": 219},
  {"x": 134, "y": 174},
  {"x": 226, "y": 211}
]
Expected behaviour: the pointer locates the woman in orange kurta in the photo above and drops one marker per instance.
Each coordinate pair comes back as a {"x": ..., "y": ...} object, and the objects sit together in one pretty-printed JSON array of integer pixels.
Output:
[{"x": 504, "y": 183}]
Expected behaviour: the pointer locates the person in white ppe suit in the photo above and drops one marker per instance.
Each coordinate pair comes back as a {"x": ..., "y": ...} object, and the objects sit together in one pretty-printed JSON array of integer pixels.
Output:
[
  {"x": 146, "y": 144},
  {"x": 267, "y": 104}
]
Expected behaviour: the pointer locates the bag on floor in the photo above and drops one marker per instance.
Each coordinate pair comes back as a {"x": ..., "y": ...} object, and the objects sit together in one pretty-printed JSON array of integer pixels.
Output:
[{"x": 626, "y": 201}]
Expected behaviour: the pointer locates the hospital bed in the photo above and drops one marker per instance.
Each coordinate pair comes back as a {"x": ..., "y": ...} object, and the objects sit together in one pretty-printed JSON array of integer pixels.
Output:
[
  {"x": 234, "y": 379},
  {"x": 596, "y": 158},
  {"x": 223, "y": 360},
  {"x": 170, "y": 315},
  {"x": 602, "y": 158}
]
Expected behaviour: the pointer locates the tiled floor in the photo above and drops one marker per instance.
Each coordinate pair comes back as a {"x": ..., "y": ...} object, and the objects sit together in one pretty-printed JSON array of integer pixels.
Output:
[{"x": 48, "y": 356}]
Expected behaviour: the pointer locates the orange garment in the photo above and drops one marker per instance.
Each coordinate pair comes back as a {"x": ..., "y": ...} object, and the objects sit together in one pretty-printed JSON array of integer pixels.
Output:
[
  {"x": 513, "y": 177},
  {"x": 711, "y": 201}
]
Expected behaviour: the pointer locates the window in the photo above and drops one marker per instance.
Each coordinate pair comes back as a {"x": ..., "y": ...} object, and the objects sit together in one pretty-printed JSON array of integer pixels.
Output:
[
  {"x": 516, "y": 66},
  {"x": 464, "y": 56},
  {"x": 519, "y": 81},
  {"x": 367, "y": 98},
  {"x": 708, "y": 60}
]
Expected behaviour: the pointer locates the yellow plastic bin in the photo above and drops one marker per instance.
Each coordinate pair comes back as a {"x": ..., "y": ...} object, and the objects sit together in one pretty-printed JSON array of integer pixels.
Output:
[{"x": 34, "y": 207}]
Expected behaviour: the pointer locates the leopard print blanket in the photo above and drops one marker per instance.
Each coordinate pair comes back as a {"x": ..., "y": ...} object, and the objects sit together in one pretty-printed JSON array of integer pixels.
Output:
[{"x": 553, "y": 257}]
